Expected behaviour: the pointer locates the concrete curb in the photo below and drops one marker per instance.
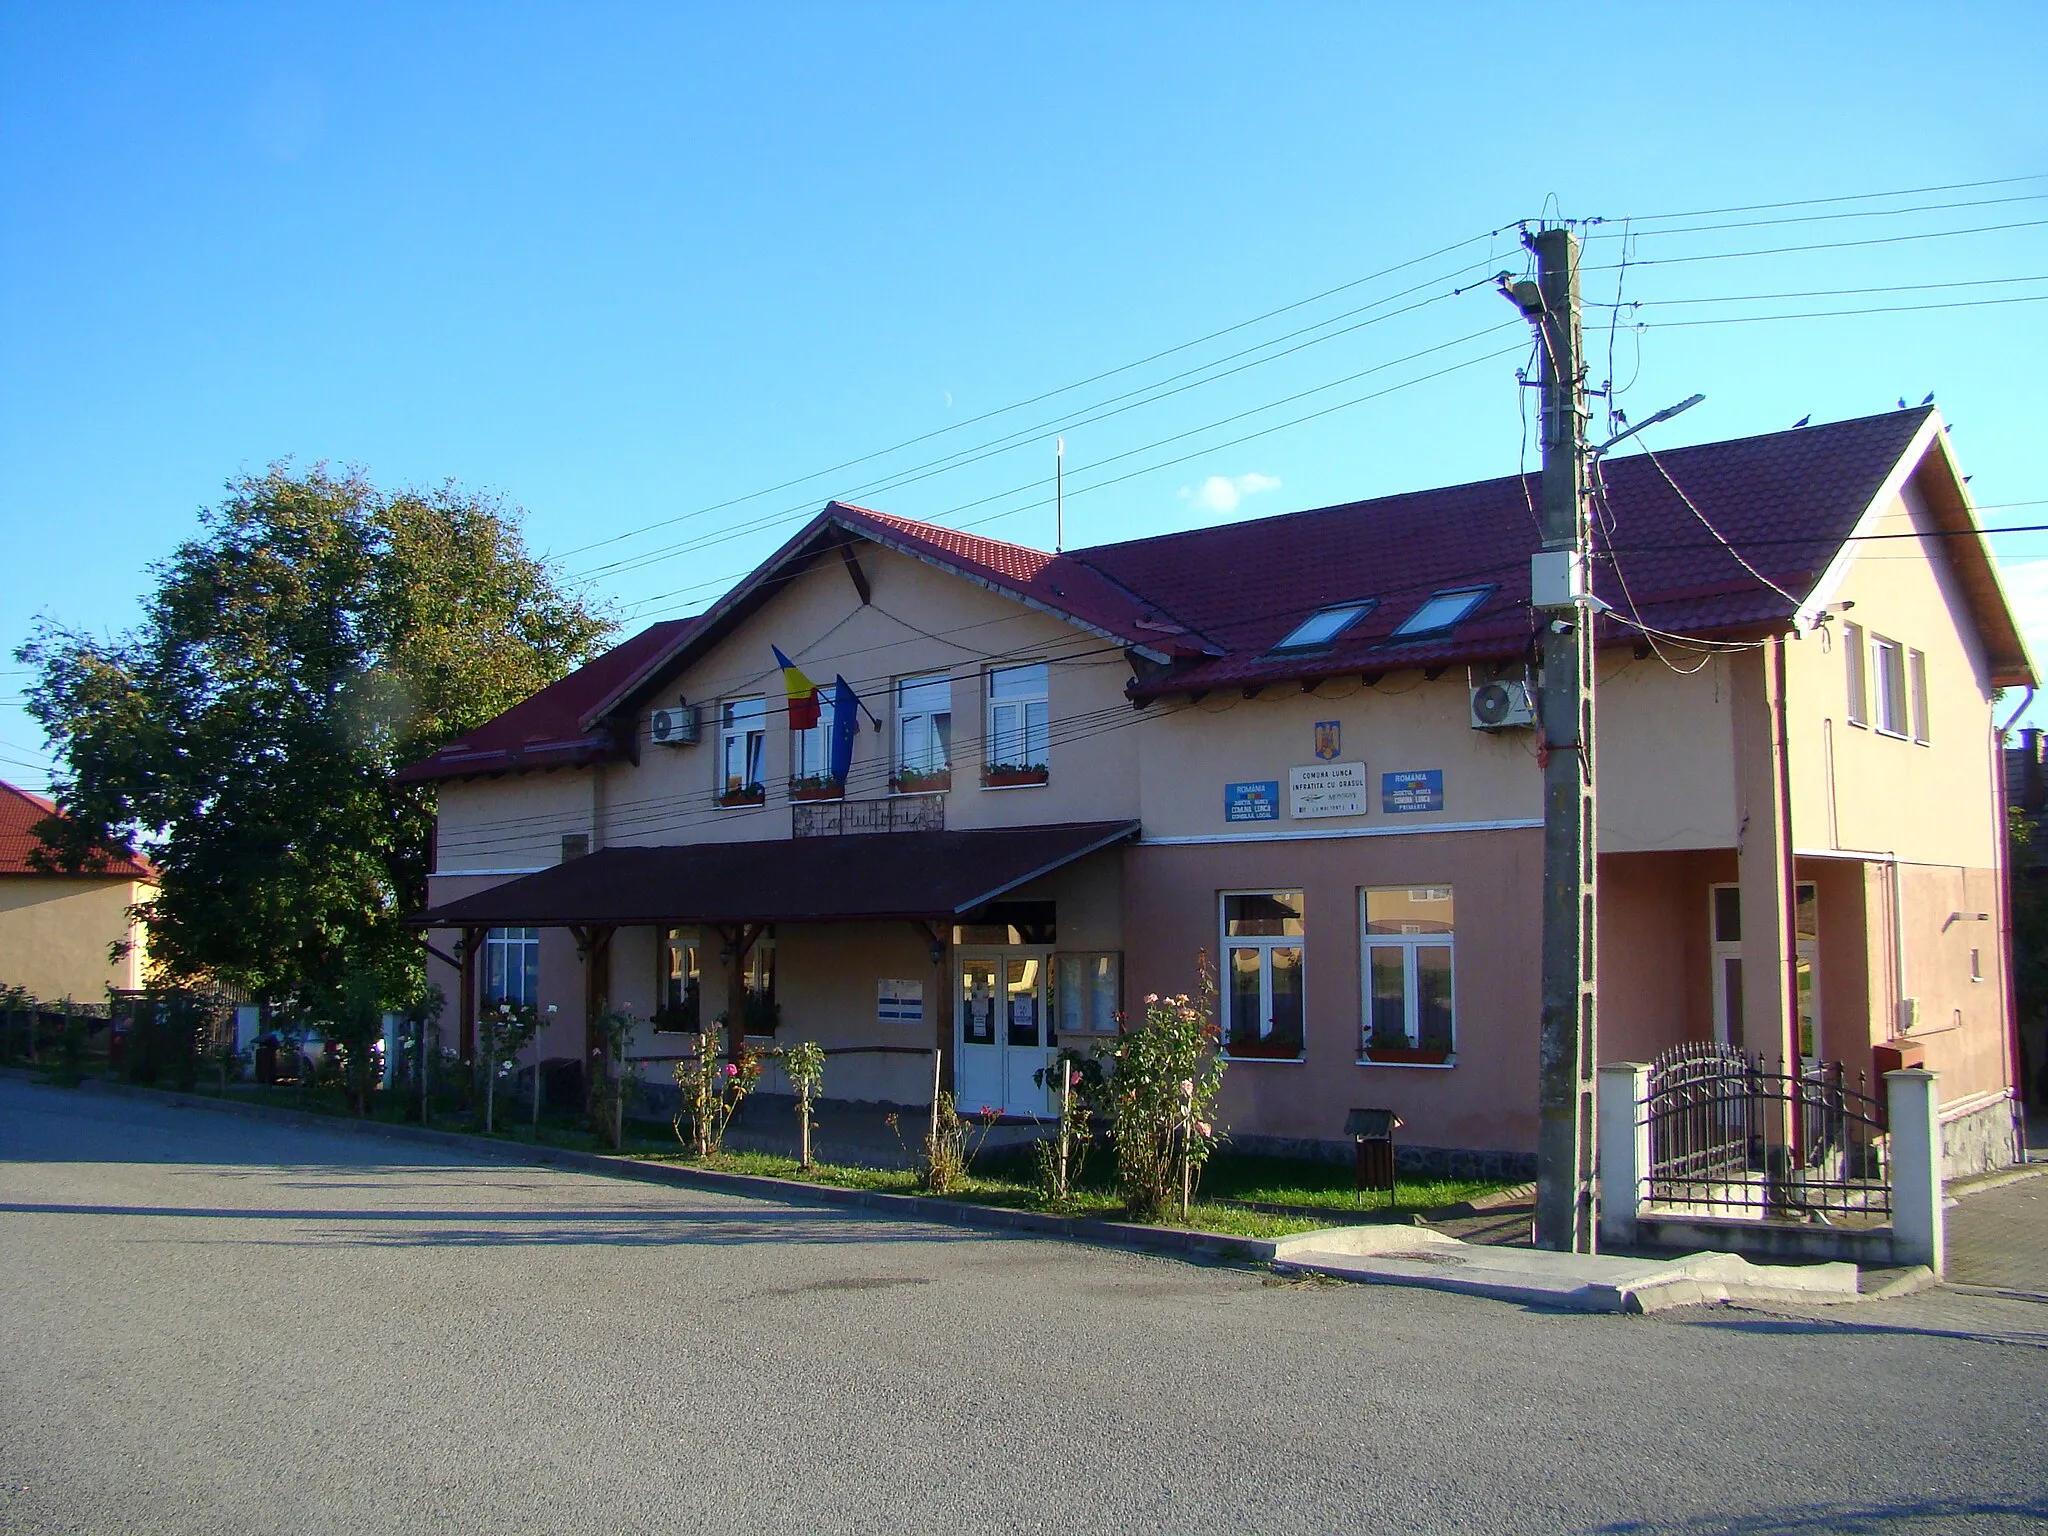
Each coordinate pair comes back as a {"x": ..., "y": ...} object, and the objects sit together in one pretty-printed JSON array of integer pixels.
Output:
[
  {"x": 1962, "y": 1189},
  {"x": 1214, "y": 1247}
]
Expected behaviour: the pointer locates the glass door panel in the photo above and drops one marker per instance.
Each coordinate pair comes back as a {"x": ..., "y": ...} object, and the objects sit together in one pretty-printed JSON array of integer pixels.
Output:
[{"x": 978, "y": 1079}]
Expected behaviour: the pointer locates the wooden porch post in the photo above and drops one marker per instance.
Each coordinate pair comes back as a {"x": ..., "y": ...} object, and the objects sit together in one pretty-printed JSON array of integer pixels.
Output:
[
  {"x": 465, "y": 1024},
  {"x": 594, "y": 946},
  {"x": 940, "y": 935},
  {"x": 738, "y": 942}
]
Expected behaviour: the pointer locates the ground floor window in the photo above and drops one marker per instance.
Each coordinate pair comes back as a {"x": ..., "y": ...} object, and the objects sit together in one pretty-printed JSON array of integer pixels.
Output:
[
  {"x": 1089, "y": 993},
  {"x": 1725, "y": 919},
  {"x": 1264, "y": 947},
  {"x": 679, "y": 982},
  {"x": 1407, "y": 934},
  {"x": 763, "y": 1012},
  {"x": 512, "y": 966}
]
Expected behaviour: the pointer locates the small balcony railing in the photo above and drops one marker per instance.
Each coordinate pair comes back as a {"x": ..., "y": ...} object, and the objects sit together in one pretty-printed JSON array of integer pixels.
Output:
[{"x": 844, "y": 818}]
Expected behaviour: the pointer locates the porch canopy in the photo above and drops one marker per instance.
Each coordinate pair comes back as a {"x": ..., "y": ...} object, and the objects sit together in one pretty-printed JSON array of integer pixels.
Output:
[{"x": 855, "y": 877}]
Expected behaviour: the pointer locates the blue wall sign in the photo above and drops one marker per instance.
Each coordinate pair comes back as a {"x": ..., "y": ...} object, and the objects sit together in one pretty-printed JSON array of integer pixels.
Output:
[
  {"x": 1418, "y": 790},
  {"x": 1257, "y": 800}
]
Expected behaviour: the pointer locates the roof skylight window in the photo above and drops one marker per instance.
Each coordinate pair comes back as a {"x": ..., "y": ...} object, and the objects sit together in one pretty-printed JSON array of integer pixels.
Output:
[
  {"x": 1442, "y": 612},
  {"x": 1325, "y": 625}
]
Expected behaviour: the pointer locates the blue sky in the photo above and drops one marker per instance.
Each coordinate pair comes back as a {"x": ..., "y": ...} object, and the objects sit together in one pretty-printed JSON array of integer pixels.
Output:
[{"x": 621, "y": 264}]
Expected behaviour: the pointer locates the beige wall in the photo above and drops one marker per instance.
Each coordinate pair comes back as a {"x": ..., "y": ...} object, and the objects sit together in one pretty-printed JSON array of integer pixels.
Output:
[
  {"x": 1486, "y": 1100},
  {"x": 56, "y": 931},
  {"x": 1855, "y": 788}
]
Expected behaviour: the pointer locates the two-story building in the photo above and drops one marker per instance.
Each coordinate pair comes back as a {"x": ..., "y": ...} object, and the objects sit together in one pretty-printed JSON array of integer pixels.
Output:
[{"x": 1301, "y": 747}]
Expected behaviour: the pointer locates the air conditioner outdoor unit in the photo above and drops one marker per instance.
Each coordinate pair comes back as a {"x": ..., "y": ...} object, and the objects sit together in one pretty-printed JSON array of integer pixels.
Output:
[
  {"x": 678, "y": 727},
  {"x": 1501, "y": 706}
]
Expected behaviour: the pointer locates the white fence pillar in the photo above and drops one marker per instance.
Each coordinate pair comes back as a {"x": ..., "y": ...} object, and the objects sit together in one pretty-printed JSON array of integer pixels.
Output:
[
  {"x": 1624, "y": 1143},
  {"x": 1913, "y": 1111}
]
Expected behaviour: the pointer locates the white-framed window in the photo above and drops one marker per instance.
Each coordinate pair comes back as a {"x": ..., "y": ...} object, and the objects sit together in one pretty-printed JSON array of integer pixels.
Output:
[
  {"x": 1019, "y": 727},
  {"x": 1852, "y": 653},
  {"x": 1916, "y": 679},
  {"x": 1264, "y": 946},
  {"x": 1888, "y": 675},
  {"x": 810, "y": 750},
  {"x": 1725, "y": 950},
  {"x": 924, "y": 731},
  {"x": 681, "y": 983},
  {"x": 1088, "y": 992},
  {"x": 742, "y": 747},
  {"x": 1408, "y": 934},
  {"x": 512, "y": 966}
]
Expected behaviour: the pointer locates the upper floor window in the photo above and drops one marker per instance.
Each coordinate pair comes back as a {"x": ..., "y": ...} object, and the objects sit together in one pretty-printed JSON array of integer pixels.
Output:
[
  {"x": 1859, "y": 693},
  {"x": 1325, "y": 625},
  {"x": 1019, "y": 726},
  {"x": 924, "y": 732},
  {"x": 742, "y": 750},
  {"x": 1264, "y": 938},
  {"x": 810, "y": 751},
  {"x": 512, "y": 966},
  {"x": 1888, "y": 672},
  {"x": 1407, "y": 933}
]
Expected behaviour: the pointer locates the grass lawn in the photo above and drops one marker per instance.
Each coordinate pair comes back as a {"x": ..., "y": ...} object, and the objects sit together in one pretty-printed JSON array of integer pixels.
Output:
[{"x": 1322, "y": 1193}]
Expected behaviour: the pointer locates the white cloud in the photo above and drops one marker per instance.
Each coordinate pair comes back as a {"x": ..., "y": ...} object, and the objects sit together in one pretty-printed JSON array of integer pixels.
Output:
[{"x": 1222, "y": 493}]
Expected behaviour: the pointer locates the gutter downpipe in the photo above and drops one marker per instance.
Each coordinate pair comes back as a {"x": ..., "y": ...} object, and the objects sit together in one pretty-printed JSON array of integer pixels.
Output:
[
  {"x": 2008, "y": 989},
  {"x": 1788, "y": 937}
]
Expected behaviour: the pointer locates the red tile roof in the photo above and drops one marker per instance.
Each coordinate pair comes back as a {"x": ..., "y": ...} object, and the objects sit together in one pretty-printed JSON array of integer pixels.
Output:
[
  {"x": 1212, "y": 602},
  {"x": 19, "y": 812},
  {"x": 1787, "y": 501},
  {"x": 548, "y": 730}
]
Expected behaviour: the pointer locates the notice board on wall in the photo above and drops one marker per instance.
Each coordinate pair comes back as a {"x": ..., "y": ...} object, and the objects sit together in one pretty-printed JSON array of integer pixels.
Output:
[{"x": 899, "y": 1002}]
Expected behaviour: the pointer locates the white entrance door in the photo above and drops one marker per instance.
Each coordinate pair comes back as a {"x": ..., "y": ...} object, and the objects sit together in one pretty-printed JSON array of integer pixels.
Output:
[{"x": 1003, "y": 1038}]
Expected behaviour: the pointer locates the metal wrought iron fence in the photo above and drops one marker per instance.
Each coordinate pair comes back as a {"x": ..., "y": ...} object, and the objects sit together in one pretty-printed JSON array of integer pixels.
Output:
[{"x": 1739, "y": 1135}]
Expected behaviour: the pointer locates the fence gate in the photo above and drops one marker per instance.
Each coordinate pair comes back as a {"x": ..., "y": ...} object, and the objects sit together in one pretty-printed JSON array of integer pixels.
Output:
[{"x": 1736, "y": 1135}]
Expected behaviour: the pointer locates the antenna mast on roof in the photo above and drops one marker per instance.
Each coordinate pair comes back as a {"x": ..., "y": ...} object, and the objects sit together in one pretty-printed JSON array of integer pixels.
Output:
[{"x": 1059, "y": 498}]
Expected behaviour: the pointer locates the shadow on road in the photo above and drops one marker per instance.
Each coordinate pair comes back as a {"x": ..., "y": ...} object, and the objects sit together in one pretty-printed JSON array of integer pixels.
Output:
[
  {"x": 474, "y": 1228},
  {"x": 1926, "y": 1514},
  {"x": 1834, "y": 1328}
]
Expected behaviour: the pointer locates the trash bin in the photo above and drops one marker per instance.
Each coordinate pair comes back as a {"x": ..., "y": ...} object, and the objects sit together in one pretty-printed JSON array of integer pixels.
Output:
[
  {"x": 266, "y": 1059},
  {"x": 1373, "y": 1132}
]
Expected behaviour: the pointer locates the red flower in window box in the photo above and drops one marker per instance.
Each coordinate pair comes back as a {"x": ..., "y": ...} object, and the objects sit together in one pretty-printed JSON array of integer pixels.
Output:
[
  {"x": 1010, "y": 775},
  {"x": 816, "y": 789},
  {"x": 751, "y": 794},
  {"x": 921, "y": 781},
  {"x": 1408, "y": 1055}
]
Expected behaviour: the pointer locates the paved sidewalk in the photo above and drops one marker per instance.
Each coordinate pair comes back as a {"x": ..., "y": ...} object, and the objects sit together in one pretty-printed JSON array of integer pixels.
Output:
[{"x": 1998, "y": 1238}]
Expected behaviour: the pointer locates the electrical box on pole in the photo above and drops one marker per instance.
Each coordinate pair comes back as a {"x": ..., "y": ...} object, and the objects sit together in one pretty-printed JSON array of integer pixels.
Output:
[{"x": 1564, "y": 611}]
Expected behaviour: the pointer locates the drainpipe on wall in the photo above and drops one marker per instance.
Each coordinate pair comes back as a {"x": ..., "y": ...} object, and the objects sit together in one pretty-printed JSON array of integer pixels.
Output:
[
  {"x": 1788, "y": 867},
  {"x": 2008, "y": 992},
  {"x": 1898, "y": 1024}
]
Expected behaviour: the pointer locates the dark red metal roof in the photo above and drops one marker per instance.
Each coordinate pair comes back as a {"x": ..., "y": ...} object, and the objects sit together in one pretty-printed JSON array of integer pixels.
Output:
[
  {"x": 858, "y": 878},
  {"x": 20, "y": 811},
  {"x": 548, "y": 730},
  {"x": 1787, "y": 501}
]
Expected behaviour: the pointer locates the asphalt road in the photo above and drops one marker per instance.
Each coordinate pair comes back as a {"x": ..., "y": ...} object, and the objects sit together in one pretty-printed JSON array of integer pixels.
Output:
[{"x": 211, "y": 1324}]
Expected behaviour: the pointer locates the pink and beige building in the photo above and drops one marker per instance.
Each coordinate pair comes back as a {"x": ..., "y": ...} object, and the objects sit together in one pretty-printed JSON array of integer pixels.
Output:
[{"x": 1299, "y": 747}]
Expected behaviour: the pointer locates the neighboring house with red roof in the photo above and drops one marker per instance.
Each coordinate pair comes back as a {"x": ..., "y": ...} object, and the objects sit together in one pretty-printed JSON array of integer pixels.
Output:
[
  {"x": 57, "y": 932},
  {"x": 1301, "y": 745}
]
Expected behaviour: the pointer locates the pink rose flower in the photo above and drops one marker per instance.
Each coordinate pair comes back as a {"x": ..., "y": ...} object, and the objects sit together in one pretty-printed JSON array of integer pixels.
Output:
[{"x": 732, "y": 1069}]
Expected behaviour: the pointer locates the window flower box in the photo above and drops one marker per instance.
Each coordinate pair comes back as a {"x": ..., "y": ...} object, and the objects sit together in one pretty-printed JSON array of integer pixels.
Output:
[
  {"x": 1013, "y": 775},
  {"x": 921, "y": 781},
  {"x": 1408, "y": 1055},
  {"x": 816, "y": 789},
  {"x": 751, "y": 794}
]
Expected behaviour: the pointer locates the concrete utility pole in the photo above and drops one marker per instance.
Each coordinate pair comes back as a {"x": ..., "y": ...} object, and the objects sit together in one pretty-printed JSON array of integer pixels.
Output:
[{"x": 1560, "y": 590}]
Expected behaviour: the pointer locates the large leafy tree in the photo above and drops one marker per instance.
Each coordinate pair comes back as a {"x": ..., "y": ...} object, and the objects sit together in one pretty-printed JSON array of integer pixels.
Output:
[{"x": 316, "y": 636}]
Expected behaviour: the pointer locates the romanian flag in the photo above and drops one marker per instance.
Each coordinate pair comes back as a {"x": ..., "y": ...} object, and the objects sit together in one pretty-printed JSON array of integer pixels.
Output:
[{"x": 803, "y": 693}]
